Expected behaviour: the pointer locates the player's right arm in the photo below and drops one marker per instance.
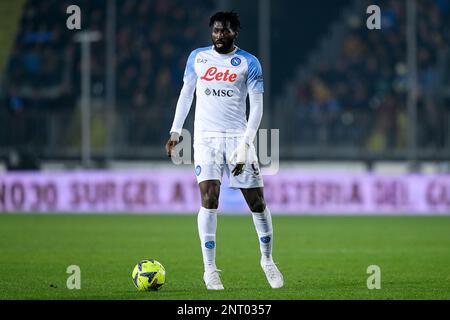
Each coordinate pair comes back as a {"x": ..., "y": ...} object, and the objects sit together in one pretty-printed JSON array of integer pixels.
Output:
[{"x": 184, "y": 103}]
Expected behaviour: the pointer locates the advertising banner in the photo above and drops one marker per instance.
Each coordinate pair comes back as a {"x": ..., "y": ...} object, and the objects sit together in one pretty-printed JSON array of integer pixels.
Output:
[{"x": 176, "y": 191}]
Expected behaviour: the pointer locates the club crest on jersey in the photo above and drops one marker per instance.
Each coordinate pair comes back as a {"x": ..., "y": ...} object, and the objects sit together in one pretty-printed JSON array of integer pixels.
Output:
[
  {"x": 212, "y": 74},
  {"x": 235, "y": 61}
]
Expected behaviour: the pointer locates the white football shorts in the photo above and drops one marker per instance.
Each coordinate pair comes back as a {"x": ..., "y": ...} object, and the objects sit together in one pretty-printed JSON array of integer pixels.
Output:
[{"x": 211, "y": 158}]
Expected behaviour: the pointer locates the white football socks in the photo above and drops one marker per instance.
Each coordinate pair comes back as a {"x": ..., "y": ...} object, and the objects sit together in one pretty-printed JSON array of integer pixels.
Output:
[
  {"x": 263, "y": 226},
  {"x": 207, "y": 225}
]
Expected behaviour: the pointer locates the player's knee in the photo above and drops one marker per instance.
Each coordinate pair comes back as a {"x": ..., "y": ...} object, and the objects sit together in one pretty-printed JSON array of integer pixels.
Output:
[
  {"x": 210, "y": 201},
  {"x": 258, "y": 205}
]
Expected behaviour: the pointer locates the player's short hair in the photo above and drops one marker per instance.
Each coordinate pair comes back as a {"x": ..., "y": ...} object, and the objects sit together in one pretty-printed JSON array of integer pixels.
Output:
[{"x": 224, "y": 17}]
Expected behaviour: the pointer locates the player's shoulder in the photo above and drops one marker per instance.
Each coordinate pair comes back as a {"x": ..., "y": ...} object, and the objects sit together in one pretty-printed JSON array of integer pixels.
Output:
[
  {"x": 250, "y": 58},
  {"x": 199, "y": 50},
  {"x": 195, "y": 53}
]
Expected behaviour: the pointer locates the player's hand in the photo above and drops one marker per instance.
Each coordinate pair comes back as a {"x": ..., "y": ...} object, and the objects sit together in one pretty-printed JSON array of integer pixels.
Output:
[
  {"x": 238, "y": 169},
  {"x": 171, "y": 143},
  {"x": 240, "y": 156}
]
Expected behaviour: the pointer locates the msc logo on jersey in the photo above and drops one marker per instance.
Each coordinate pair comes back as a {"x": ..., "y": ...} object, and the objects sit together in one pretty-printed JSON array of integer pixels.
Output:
[
  {"x": 222, "y": 93},
  {"x": 219, "y": 92},
  {"x": 235, "y": 61}
]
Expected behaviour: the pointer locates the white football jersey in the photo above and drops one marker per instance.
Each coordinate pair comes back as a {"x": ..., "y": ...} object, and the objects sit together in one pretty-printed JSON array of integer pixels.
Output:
[{"x": 222, "y": 82}]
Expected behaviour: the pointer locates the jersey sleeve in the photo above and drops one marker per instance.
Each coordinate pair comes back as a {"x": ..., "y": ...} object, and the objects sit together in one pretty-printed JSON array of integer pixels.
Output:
[
  {"x": 186, "y": 95},
  {"x": 255, "y": 83},
  {"x": 190, "y": 77}
]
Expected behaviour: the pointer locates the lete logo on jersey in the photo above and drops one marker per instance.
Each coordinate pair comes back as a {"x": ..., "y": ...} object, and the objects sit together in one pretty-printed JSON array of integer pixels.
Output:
[{"x": 212, "y": 74}]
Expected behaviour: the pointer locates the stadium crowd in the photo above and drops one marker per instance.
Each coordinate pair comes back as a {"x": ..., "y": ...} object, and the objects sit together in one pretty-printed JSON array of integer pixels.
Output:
[
  {"x": 153, "y": 39},
  {"x": 359, "y": 98}
]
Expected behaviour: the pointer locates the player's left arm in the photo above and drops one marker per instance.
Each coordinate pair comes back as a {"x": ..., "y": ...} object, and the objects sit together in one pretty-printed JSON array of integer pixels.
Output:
[
  {"x": 255, "y": 87},
  {"x": 254, "y": 117}
]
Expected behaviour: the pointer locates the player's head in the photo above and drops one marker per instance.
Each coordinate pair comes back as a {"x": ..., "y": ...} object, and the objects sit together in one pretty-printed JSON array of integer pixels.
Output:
[{"x": 225, "y": 28}]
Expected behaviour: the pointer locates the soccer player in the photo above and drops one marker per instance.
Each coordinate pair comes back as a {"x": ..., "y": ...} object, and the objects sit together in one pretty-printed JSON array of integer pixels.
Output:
[{"x": 222, "y": 75}]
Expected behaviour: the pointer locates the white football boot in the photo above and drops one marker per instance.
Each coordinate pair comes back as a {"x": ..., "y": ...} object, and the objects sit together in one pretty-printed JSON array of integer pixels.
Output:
[
  {"x": 273, "y": 275},
  {"x": 212, "y": 280}
]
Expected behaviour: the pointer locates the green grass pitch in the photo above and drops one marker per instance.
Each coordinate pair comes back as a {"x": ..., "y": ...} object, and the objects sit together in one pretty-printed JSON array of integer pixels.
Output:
[{"x": 321, "y": 257}]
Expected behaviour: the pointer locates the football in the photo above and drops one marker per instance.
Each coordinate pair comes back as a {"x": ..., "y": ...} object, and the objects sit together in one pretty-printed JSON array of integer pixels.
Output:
[{"x": 149, "y": 275}]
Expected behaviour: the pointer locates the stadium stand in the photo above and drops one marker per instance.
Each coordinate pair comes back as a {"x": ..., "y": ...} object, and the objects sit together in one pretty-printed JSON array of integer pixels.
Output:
[
  {"x": 357, "y": 97},
  {"x": 353, "y": 95},
  {"x": 43, "y": 73}
]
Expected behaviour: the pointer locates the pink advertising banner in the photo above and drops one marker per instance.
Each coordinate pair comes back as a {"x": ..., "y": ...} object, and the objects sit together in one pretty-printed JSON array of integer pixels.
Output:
[{"x": 176, "y": 191}]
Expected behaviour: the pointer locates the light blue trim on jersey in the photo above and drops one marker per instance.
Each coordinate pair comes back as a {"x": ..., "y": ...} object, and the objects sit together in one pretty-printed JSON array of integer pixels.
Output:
[
  {"x": 255, "y": 83},
  {"x": 189, "y": 72}
]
